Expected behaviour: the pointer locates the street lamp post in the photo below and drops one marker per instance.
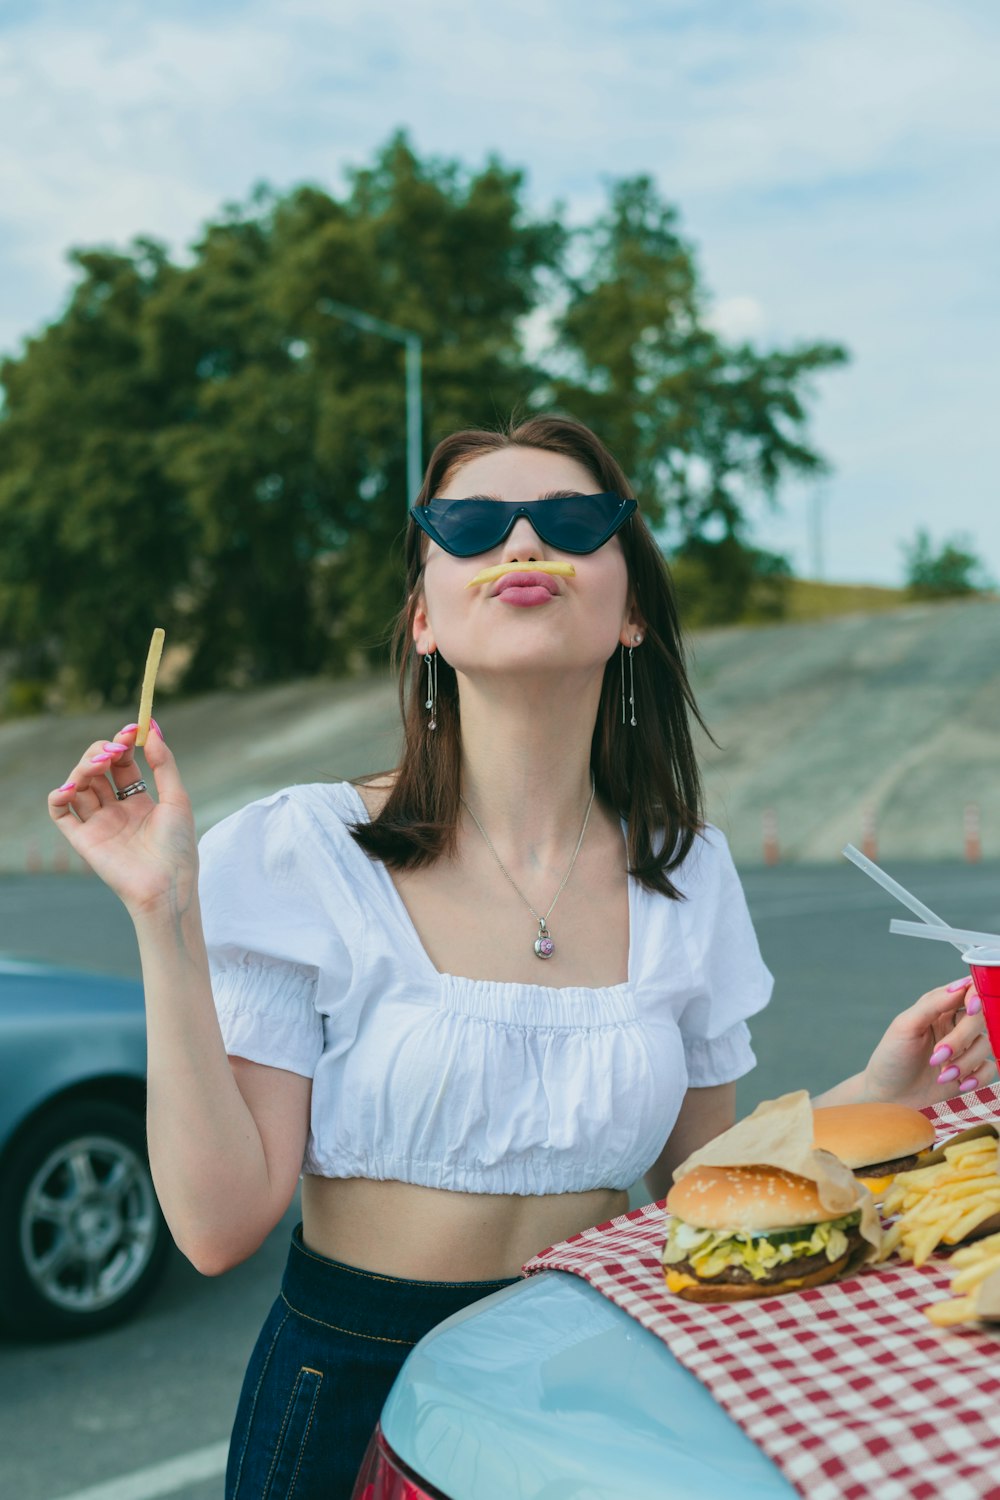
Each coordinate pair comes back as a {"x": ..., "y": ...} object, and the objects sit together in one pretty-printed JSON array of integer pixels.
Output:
[
  {"x": 413, "y": 347},
  {"x": 818, "y": 500}
]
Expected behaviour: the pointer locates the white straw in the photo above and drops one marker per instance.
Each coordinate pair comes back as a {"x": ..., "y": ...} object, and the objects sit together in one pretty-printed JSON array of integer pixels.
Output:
[
  {"x": 959, "y": 937},
  {"x": 892, "y": 886}
]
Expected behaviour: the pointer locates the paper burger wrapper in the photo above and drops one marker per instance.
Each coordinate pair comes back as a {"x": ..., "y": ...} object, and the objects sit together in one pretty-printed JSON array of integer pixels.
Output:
[
  {"x": 986, "y": 1299},
  {"x": 779, "y": 1133}
]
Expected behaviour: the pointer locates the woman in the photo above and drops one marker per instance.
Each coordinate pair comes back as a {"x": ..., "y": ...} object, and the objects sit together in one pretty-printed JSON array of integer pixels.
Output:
[{"x": 472, "y": 1000}]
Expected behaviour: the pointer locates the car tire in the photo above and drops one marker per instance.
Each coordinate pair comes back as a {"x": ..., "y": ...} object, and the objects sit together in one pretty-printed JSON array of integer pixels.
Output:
[{"x": 82, "y": 1238}]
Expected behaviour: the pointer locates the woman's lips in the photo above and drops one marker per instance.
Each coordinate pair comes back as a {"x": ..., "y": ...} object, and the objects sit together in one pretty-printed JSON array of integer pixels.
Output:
[{"x": 525, "y": 589}]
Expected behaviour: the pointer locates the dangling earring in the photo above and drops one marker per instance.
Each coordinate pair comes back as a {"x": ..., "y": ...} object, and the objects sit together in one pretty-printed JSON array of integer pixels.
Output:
[
  {"x": 430, "y": 661},
  {"x": 637, "y": 640}
]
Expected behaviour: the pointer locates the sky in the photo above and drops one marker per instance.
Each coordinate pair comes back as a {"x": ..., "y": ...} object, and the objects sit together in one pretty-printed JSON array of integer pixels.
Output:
[{"x": 834, "y": 162}]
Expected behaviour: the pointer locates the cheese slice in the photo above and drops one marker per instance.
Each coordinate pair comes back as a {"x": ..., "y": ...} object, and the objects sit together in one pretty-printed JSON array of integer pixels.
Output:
[
  {"x": 677, "y": 1281},
  {"x": 878, "y": 1185}
]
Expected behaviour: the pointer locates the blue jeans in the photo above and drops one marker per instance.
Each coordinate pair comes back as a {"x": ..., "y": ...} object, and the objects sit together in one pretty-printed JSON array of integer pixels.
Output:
[{"x": 330, "y": 1349}]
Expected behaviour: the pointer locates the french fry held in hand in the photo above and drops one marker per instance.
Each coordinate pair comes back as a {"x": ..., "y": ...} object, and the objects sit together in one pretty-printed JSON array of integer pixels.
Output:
[
  {"x": 490, "y": 575},
  {"x": 975, "y": 1264},
  {"x": 943, "y": 1203},
  {"x": 148, "y": 683}
]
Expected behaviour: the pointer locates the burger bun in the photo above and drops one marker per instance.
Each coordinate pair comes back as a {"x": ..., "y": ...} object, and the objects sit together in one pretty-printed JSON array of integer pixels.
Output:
[
  {"x": 754, "y": 1198},
  {"x": 863, "y": 1135}
]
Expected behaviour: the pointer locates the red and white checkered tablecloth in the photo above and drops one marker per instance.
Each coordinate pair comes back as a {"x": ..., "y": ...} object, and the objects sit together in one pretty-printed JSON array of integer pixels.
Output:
[{"x": 847, "y": 1387}]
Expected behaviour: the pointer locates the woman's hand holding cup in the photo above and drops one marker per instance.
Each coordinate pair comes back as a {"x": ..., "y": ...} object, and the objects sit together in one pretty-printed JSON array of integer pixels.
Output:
[{"x": 933, "y": 1050}]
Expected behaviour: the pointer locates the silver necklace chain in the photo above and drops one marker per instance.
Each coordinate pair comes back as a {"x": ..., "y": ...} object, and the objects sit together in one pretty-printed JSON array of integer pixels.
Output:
[{"x": 544, "y": 946}]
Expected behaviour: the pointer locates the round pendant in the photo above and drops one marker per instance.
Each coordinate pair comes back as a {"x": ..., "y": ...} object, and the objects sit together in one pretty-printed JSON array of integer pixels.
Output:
[{"x": 544, "y": 946}]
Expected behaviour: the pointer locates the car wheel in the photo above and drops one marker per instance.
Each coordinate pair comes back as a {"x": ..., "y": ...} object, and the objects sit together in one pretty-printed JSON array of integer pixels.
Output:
[{"x": 82, "y": 1238}]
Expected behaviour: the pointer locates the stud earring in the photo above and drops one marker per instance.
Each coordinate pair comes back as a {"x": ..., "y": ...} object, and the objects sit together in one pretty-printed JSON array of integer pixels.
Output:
[{"x": 430, "y": 703}]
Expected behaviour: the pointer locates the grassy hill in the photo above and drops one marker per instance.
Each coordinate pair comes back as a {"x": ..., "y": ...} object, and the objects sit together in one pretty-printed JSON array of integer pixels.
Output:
[{"x": 808, "y": 599}]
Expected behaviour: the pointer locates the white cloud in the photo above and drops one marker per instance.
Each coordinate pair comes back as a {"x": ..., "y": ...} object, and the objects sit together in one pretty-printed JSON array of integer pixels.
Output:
[{"x": 737, "y": 318}]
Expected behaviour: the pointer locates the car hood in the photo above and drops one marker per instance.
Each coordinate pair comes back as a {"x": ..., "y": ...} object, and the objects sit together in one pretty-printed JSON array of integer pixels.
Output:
[{"x": 546, "y": 1388}]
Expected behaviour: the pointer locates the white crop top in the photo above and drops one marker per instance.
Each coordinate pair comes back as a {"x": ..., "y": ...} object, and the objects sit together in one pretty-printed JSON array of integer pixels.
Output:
[{"x": 468, "y": 1084}]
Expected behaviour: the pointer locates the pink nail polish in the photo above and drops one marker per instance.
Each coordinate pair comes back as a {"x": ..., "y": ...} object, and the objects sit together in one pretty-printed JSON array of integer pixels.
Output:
[
  {"x": 949, "y": 1075},
  {"x": 114, "y": 749},
  {"x": 967, "y": 1084},
  {"x": 973, "y": 1005},
  {"x": 99, "y": 760},
  {"x": 67, "y": 786},
  {"x": 126, "y": 727},
  {"x": 960, "y": 984},
  {"x": 157, "y": 728},
  {"x": 939, "y": 1055}
]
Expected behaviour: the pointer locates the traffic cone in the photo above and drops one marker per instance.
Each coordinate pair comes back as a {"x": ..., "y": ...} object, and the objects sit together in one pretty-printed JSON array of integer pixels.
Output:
[{"x": 973, "y": 840}]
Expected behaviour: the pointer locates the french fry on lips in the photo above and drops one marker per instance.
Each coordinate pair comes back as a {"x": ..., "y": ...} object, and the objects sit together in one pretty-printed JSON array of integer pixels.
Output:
[
  {"x": 943, "y": 1203},
  {"x": 490, "y": 575},
  {"x": 148, "y": 683}
]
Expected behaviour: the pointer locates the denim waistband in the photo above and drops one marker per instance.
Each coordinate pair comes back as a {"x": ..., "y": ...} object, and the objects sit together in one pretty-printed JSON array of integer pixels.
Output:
[{"x": 352, "y": 1300}]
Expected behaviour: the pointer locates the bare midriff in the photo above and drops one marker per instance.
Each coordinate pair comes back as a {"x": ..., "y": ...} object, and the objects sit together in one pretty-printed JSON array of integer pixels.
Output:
[{"x": 430, "y": 1234}]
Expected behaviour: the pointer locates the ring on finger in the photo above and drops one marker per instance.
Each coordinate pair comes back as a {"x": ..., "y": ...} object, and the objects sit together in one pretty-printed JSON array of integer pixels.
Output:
[{"x": 132, "y": 790}]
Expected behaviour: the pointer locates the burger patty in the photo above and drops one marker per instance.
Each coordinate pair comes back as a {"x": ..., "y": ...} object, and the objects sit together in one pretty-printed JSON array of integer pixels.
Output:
[
  {"x": 888, "y": 1168},
  {"x": 804, "y": 1265}
]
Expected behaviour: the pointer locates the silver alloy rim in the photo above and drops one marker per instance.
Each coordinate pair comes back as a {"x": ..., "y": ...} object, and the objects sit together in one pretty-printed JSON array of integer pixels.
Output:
[{"x": 89, "y": 1223}]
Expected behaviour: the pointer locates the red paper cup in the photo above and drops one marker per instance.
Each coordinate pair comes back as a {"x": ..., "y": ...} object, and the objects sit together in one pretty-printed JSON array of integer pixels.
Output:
[{"x": 984, "y": 966}]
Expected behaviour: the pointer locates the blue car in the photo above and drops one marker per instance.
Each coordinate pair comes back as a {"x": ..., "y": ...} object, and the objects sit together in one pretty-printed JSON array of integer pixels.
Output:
[
  {"x": 82, "y": 1238},
  {"x": 548, "y": 1389}
]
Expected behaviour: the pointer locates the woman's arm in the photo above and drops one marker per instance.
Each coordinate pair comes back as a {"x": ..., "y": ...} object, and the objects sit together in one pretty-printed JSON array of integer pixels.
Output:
[
  {"x": 225, "y": 1141},
  {"x": 704, "y": 1114},
  {"x": 226, "y": 1137}
]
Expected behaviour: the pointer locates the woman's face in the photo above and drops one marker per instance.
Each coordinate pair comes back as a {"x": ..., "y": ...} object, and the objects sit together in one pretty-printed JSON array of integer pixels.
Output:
[{"x": 577, "y": 626}]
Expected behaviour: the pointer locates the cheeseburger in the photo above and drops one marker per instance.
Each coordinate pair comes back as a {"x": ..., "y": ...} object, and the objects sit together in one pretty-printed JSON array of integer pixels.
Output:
[
  {"x": 742, "y": 1232},
  {"x": 875, "y": 1140}
]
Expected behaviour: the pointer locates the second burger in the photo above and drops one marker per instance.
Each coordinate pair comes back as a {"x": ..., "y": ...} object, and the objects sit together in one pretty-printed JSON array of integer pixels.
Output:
[{"x": 875, "y": 1140}]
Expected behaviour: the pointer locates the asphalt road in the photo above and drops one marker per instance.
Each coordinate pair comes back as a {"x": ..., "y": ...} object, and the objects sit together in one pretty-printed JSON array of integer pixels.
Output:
[{"x": 78, "y": 1415}]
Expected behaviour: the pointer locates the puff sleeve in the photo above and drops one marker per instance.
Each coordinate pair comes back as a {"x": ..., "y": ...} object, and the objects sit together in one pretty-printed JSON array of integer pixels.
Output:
[
  {"x": 266, "y": 936},
  {"x": 731, "y": 980}
]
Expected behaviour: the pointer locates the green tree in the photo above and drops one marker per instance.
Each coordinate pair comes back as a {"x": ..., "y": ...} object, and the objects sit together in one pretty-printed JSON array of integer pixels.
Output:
[
  {"x": 948, "y": 572},
  {"x": 725, "y": 580},
  {"x": 228, "y": 458},
  {"x": 95, "y": 534},
  {"x": 704, "y": 427},
  {"x": 205, "y": 446}
]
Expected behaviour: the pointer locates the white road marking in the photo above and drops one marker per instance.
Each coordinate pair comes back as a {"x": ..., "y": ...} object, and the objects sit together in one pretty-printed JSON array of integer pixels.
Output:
[{"x": 160, "y": 1479}]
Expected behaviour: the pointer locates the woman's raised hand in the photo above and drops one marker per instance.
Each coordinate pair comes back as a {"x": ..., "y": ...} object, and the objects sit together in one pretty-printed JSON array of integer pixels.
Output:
[
  {"x": 932, "y": 1051},
  {"x": 145, "y": 851}
]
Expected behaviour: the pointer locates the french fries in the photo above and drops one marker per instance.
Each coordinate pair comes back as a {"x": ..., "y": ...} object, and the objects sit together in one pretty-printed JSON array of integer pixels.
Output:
[
  {"x": 975, "y": 1265},
  {"x": 943, "y": 1203},
  {"x": 490, "y": 575},
  {"x": 148, "y": 683}
]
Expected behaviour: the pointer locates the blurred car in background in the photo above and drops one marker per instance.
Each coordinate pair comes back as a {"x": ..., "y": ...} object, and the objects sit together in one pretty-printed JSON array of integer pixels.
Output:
[
  {"x": 547, "y": 1389},
  {"x": 82, "y": 1238}
]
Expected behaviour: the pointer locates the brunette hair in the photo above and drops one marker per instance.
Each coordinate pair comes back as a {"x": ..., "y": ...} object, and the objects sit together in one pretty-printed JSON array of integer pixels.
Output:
[{"x": 648, "y": 774}]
